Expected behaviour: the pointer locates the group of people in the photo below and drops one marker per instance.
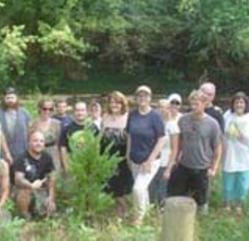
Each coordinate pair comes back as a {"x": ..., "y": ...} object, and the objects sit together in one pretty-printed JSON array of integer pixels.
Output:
[{"x": 164, "y": 152}]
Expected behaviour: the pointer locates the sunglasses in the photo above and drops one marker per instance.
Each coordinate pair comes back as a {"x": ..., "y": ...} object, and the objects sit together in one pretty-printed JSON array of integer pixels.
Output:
[
  {"x": 47, "y": 109},
  {"x": 175, "y": 102}
]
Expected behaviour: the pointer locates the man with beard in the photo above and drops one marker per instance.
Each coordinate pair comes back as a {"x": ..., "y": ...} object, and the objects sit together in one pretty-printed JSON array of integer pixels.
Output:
[
  {"x": 14, "y": 122},
  {"x": 34, "y": 179}
]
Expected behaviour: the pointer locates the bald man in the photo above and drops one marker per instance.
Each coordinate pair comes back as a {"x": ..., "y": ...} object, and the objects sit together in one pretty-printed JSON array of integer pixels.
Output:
[
  {"x": 34, "y": 179},
  {"x": 209, "y": 91}
]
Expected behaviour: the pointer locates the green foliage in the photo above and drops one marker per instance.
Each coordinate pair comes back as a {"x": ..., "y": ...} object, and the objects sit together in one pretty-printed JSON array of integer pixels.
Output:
[
  {"x": 60, "y": 40},
  {"x": 89, "y": 172},
  {"x": 10, "y": 231},
  {"x": 54, "y": 42},
  {"x": 13, "y": 44}
]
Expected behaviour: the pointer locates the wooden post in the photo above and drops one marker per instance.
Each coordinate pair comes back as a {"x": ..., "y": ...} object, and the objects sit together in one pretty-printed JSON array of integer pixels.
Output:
[{"x": 179, "y": 219}]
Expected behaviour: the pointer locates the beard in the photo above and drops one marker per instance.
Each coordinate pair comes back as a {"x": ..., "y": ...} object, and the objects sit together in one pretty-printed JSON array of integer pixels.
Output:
[{"x": 12, "y": 105}]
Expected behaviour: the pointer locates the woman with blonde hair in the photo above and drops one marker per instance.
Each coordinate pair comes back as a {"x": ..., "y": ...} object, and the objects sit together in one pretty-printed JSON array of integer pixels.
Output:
[
  {"x": 50, "y": 127},
  {"x": 113, "y": 129}
]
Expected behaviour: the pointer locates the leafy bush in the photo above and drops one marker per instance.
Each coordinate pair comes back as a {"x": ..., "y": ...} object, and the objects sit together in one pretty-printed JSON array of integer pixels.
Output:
[{"x": 89, "y": 171}]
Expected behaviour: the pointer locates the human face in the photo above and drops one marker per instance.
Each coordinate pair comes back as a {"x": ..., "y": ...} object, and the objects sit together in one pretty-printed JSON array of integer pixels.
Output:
[
  {"x": 61, "y": 108},
  {"x": 197, "y": 106},
  {"x": 80, "y": 112},
  {"x": 37, "y": 142},
  {"x": 239, "y": 106},
  {"x": 208, "y": 94},
  {"x": 47, "y": 109},
  {"x": 164, "y": 108},
  {"x": 10, "y": 100},
  {"x": 143, "y": 99},
  {"x": 115, "y": 106},
  {"x": 95, "y": 111},
  {"x": 175, "y": 106}
]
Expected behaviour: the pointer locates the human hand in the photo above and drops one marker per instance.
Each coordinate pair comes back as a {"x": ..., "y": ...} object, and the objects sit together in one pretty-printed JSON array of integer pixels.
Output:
[
  {"x": 51, "y": 207},
  {"x": 211, "y": 172},
  {"x": 38, "y": 183},
  {"x": 167, "y": 174},
  {"x": 146, "y": 166},
  {"x": 9, "y": 159}
]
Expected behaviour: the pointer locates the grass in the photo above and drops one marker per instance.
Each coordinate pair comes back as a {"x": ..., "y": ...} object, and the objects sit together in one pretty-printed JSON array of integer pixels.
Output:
[
  {"x": 216, "y": 226},
  {"x": 103, "y": 81}
]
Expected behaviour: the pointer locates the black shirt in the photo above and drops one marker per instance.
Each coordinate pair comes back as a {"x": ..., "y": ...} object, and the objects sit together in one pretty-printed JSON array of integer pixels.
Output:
[
  {"x": 72, "y": 128},
  {"x": 217, "y": 115},
  {"x": 32, "y": 168}
]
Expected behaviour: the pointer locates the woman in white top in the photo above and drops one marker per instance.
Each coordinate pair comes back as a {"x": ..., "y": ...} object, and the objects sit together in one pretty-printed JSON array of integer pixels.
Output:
[
  {"x": 236, "y": 154},
  {"x": 175, "y": 101},
  {"x": 158, "y": 186}
]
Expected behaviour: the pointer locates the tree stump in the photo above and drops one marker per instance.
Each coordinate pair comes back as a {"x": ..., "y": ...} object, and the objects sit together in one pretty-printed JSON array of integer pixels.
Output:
[{"x": 179, "y": 219}]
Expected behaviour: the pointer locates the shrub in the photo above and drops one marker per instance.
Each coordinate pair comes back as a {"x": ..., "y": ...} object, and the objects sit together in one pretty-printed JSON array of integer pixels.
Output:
[{"x": 90, "y": 168}]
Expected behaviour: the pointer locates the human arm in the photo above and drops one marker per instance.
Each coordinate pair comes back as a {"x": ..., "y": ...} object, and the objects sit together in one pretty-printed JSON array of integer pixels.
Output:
[
  {"x": 5, "y": 183},
  {"x": 216, "y": 160},
  {"x": 154, "y": 154},
  {"x": 51, "y": 194},
  {"x": 5, "y": 148},
  {"x": 63, "y": 151},
  {"x": 21, "y": 181},
  {"x": 128, "y": 149},
  {"x": 64, "y": 159},
  {"x": 174, "y": 145}
]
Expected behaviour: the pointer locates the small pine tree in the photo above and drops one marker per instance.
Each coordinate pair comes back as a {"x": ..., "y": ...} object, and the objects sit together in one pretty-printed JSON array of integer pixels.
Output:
[{"x": 89, "y": 170}]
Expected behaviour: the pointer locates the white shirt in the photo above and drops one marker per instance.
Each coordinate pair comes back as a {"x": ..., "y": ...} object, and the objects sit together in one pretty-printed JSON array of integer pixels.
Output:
[
  {"x": 236, "y": 154},
  {"x": 171, "y": 128}
]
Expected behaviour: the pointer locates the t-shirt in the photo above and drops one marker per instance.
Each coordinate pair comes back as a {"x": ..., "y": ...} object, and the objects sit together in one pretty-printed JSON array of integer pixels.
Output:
[
  {"x": 144, "y": 131},
  {"x": 236, "y": 154},
  {"x": 71, "y": 129},
  {"x": 199, "y": 139},
  {"x": 32, "y": 168},
  {"x": 171, "y": 128},
  {"x": 216, "y": 113},
  {"x": 65, "y": 120}
]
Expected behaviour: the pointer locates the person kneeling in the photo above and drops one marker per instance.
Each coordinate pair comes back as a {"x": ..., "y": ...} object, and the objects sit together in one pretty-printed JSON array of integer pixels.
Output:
[{"x": 34, "y": 179}]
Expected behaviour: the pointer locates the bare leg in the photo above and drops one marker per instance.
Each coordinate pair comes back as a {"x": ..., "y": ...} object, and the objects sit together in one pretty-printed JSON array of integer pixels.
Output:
[
  {"x": 23, "y": 201},
  {"x": 121, "y": 206}
]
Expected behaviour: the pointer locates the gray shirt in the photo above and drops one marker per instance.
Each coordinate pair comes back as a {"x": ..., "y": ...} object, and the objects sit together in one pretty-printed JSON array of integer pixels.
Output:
[{"x": 199, "y": 139}]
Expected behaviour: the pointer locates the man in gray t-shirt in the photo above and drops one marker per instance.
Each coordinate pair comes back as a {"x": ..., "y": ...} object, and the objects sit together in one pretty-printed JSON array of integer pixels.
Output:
[
  {"x": 199, "y": 139},
  {"x": 200, "y": 148}
]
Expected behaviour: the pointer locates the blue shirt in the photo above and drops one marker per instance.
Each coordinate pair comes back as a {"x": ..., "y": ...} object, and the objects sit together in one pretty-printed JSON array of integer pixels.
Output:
[{"x": 144, "y": 131}]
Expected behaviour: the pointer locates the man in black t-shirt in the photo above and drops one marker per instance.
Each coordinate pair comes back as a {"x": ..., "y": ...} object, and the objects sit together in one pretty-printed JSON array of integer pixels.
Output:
[
  {"x": 209, "y": 90},
  {"x": 78, "y": 124},
  {"x": 34, "y": 178}
]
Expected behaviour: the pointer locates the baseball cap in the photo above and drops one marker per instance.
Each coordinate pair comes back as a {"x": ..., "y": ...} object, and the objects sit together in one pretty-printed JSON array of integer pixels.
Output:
[
  {"x": 144, "y": 88},
  {"x": 175, "y": 97}
]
